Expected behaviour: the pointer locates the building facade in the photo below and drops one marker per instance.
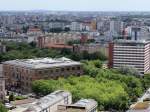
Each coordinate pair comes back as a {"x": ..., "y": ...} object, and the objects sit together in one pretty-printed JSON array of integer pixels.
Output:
[
  {"x": 130, "y": 53},
  {"x": 90, "y": 48},
  {"x": 2, "y": 88},
  {"x": 21, "y": 73},
  {"x": 2, "y": 85}
]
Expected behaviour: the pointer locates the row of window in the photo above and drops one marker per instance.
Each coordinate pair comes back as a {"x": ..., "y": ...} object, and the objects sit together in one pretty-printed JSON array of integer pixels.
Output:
[
  {"x": 18, "y": 69},
  {"x": 58, "y": 70}
]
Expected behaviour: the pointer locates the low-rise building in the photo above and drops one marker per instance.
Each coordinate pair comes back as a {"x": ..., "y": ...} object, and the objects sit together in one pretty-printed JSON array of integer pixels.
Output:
[
  {"x": 21, "y": 73},
  {"x": 140, "y": 107},
  {"x": 47, "y": 103},
  {"x": 83, "y": 105},
  {"x": 143, "y": 103},
  {"x": 90, "y": 48}
]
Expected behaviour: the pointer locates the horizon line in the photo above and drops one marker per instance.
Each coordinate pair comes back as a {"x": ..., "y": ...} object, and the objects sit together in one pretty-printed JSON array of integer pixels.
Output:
[{"x": 28, "y": 10}]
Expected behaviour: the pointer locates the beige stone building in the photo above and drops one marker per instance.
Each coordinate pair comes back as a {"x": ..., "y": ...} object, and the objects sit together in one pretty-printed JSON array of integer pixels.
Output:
[{"x": 21, "y": 73}]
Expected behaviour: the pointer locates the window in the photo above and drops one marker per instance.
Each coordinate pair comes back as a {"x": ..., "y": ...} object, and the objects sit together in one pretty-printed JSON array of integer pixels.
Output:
[
  {"x": 68, "y": 69},
  {"x": 27, "y": 83},
  {"x": 62, "y": 69},
  {"x": 78, "y": 67},
  {"x": 57, "y": 70},
  {"x": 66, "y": 100},
  {"x": 1, "y": 88},
  {"x": 51, "y": 71},
  {"x": 45, "y": 71},
  {"x": 26, "y": 71},
  {"x": 40, "y": 72}
]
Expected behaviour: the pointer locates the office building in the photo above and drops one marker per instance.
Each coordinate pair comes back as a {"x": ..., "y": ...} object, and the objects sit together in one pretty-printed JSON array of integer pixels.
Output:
[
  {"x": 130, "y": 53},
  {"x": 21, "y": 73},
  {"x": 83, "y": 105}
]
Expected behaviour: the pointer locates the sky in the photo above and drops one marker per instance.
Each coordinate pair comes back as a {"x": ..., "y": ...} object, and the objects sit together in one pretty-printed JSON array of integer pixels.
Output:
[{"x": 76, "y": 5}]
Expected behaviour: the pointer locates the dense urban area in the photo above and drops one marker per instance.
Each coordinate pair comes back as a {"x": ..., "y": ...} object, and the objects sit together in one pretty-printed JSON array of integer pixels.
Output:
[{"x": 53, "y": 61}]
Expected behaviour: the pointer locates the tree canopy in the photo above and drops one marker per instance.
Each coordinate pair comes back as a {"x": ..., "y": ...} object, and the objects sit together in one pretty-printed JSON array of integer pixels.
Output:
[
  {"x": 112, "y": 89},
  {"x": 110, "y": 95},
  {"x": 25, "y": 51},
  {"x": 2, "y": 108}
]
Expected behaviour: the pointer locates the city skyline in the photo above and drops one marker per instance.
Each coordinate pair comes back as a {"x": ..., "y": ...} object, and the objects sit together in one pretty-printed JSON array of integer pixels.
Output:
[{"x": 77, "y": 5}]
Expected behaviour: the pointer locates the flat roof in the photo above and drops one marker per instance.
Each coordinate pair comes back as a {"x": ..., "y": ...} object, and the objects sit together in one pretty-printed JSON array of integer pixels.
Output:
[
  {"x": 131, "y": 41},
  {"x": 42, "y": 103},
  {"x": 39, "y": 63},
  {"x": 84, "y": 103},
  {"x": 48, "y": 101},
  {"x": 141, "y": 106}
]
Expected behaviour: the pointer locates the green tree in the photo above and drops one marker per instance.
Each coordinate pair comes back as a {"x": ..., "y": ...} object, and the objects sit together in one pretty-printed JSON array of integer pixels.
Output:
[
  {"x": 129, "y": 70},
  {"x": 110, "y": 94},
  {"x": 11, "y": 97},
  {"x": 2, "y": 108},
  {"x": 146, "y": 81}
]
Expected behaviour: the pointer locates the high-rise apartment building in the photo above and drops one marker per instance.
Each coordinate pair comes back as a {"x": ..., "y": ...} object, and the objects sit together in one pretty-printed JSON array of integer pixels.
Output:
[
  {"x": 116, "y": 26},
  {"x": 76, "y": 26},
  {"x": 21, "y": 73},
  {"x": 130, "y": 53}
]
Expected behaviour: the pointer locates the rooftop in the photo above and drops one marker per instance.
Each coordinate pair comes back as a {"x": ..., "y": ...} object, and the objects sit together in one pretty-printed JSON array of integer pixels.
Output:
[
  {"x": 141, "y": 106},
  {"x": 42, "y": 103},
  {"x": 85, "y": 103},
  {"x": 47, "y": 101},
  {"x": 145, "y": 96},
  {"x": 39, "y": 63},
  {"x": 131, "y": 41}
]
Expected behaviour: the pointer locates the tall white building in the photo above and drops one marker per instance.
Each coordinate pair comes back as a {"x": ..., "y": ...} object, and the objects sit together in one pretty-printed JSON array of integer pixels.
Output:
[
  {"x": 76, "y": 26},
  {"x": 116, "y": 26},
  {"x": 53, "y": 25}
]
